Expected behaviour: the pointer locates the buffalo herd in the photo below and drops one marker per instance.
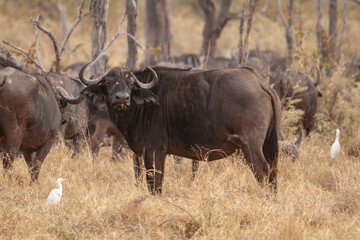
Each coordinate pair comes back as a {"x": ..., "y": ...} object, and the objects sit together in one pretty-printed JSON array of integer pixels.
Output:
[{"x": 179, "y": 108}]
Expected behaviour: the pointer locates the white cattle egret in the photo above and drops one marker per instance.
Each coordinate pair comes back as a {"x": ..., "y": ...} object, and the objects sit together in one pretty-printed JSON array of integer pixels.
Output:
[
  {"x": 335, "y": 147},
  {"x": 55, "y": 194}
]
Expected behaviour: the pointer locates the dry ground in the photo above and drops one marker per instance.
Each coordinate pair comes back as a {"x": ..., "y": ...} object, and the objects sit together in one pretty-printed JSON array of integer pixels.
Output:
[{"x": 318, "y": 198}]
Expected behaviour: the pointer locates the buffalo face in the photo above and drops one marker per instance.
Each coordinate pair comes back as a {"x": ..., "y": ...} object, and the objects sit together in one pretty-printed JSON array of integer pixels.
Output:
[{"x": 119, "y": 88}]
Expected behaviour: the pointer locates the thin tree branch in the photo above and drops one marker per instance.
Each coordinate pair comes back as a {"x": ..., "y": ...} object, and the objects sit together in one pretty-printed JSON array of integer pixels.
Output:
[
  {"x": 53, "y": 40},
  {"x": 37, "y": 45},
  {"x": 278, "y": 4},
  {"x": 25, "y": 53},
  {"x": 79, "y": 18},
  {"x": 114, "y": 38}
]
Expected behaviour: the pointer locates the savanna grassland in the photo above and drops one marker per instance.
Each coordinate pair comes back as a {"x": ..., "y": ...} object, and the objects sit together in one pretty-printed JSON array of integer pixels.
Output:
[{"x": 318, "y": 198}]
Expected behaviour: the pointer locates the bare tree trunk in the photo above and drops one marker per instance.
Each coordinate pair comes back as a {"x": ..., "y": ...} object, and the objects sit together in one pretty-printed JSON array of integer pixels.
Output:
[
  {"x": 214, "y": 26},
  {"x": 321, "y": 35},
  {"x": 289, "y": 31},
  {"x": 343, "y": 30},
  {"x": 99, "y": 12},
  {"x": 288, "y": 26},
  {"x": 241, "y": 31},
  {"x": 244, "y": 50},
  {"x": 63, "y": 18},
  {"x": 332, "y": 35},
  {"x": 131, "y": 9},
  {"x": 157, "y": 31}
]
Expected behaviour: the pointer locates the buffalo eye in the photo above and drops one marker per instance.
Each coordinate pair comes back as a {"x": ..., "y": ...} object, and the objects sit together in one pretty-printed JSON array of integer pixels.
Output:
[{"x": 62, "y": 103}]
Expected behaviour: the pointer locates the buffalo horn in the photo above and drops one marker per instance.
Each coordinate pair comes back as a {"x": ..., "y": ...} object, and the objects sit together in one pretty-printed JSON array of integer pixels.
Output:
[
  {"x": 146, "y": 85},
  {"x": 2, "y": 81},
  {"x": 85, "y": 80},
  {"x": 64, "y": 94}
]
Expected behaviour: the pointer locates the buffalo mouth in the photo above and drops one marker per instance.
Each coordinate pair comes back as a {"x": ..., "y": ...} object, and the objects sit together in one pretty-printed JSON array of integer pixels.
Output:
[{"x": 120, "y": 106}]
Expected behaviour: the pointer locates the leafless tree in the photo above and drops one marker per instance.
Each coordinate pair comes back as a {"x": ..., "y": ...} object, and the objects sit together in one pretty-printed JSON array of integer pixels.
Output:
[
  {"x": 244, "y": 44},
  {"x": 157, "y": 31},
  {"x": 99, "y": 9},
  {"x": 343, "y": 30},
  {"x": 288, "y": 26},
  {"x": 321, "y": 35},
  {"x": 131, "y": 9},
  {"x": 214, "y": 25},
  {"x": 58, "y": 52},
  {"x": 63, "y": 18},
  {"x": 263, "y": 10},
  {"x": 332, "y": 35}
]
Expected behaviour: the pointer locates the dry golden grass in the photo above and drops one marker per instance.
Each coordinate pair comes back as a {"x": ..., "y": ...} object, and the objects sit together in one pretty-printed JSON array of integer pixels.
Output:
[{"x": 318, "y": 198}]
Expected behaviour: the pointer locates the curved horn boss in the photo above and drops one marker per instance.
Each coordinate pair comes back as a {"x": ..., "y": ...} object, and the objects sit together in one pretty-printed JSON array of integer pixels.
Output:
[
  {"x": 149, "y": 85},
  {"x": 85, "y": 80},
  {"x": 64, "y": 94}
]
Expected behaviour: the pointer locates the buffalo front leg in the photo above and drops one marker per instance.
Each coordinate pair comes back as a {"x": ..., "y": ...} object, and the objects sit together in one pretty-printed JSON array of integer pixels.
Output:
[
  {"x": 137, "y": 169},
  {"x": 118, "y": 142},
  {"x": 155, "y": 166}
]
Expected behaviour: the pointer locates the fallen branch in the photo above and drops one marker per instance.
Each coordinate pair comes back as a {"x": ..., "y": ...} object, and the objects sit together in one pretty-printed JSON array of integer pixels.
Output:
[
  {"x": 6, "y": 60},
  {"x": 25, "y": 53}
]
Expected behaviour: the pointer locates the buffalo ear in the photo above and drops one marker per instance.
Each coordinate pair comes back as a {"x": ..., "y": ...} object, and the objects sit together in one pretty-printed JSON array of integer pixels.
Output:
[
  {"x": 95, "y": 94},
  {"x": 141, "y": 96}
]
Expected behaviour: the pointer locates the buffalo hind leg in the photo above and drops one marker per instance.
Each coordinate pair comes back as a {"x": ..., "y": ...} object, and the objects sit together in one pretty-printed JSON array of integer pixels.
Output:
[
  {"x": 12, "y": 145},
  {"x": 41, "y": 154},
  {"x": 155, "y": 165},
  {"x": 254, "y": 157}
]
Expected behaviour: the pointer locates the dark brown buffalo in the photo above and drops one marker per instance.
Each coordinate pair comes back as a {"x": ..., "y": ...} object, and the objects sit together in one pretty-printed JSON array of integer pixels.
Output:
[
  {"x": 29, "y": 118},
  {"x": 201, "y": 115},
  {"x": 285, "y": 86},
  {"x": 276, "y": 65}
]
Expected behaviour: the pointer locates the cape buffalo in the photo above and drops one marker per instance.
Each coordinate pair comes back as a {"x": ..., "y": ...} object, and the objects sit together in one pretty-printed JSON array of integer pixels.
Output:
[
  {"x": 29, "y": 118},
  {"x": 201, "y": 115},
  {"x": 74, "y": 122},
  {"x": 285, "y": 84}
]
